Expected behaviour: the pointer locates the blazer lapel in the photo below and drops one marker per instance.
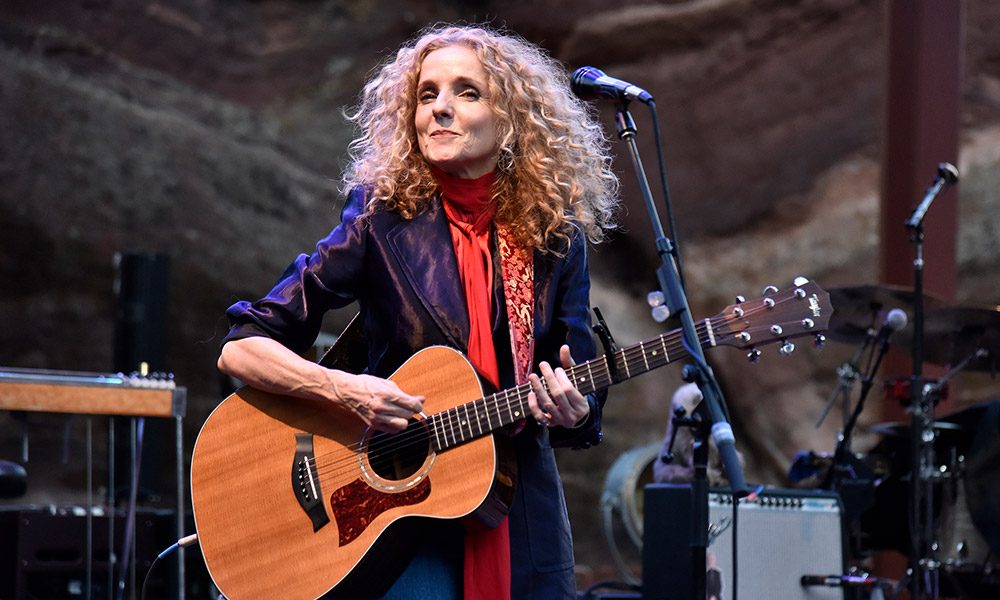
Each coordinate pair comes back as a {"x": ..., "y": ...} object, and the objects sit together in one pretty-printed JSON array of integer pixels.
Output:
[{"x": 423, "y": 248}]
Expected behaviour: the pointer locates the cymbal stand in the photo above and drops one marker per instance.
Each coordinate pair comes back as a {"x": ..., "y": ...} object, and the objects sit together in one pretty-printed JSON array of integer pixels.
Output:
[
  {"x": 847, "y": 374},
  {"x": 840, "y": 466}
]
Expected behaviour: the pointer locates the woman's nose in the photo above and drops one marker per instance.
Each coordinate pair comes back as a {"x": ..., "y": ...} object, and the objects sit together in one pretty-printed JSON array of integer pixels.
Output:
[{"x": 442, "y": 107}]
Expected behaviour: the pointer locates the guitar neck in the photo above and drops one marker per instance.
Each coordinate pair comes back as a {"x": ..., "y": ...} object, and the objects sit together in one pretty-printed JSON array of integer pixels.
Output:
[
  {"x": 774, "y": 318},
  {"x": 471, "y": 420}
]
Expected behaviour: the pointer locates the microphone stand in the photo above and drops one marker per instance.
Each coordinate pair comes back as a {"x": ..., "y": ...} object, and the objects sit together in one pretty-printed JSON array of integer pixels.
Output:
[
  {"x": 922, "y": 562},
  {"x": 921, "y": 440},
  {"x": 840, "y": 466},
  {"x": 847, "y": 374},
  {"x": 698, "y": 371}
]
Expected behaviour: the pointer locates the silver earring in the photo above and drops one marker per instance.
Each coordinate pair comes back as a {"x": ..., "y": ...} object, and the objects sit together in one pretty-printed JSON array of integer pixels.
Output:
[{"x": 505, "y": 162}]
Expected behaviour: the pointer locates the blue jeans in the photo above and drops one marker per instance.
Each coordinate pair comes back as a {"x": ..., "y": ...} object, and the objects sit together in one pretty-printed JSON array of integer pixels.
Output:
[{"x": 435, "y": 573}]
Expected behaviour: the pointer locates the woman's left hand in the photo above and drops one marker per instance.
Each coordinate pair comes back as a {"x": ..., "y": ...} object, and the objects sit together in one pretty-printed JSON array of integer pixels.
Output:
[{"x": 562, "y": 405}]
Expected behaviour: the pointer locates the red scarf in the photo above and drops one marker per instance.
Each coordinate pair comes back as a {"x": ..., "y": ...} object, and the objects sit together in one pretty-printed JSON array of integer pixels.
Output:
[{"x": 469, "y": 207}]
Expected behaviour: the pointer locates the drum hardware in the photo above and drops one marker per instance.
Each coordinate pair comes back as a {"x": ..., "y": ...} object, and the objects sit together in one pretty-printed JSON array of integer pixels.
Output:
[
  {"x": 967, "y": 338},
  {"x": 841, "y": 466},
  {"x": 682, "y": 418},
  {"x": 899, "y": 389},
  {"x": 946, "y": 541},
  {"x": 858, "y": 308}
]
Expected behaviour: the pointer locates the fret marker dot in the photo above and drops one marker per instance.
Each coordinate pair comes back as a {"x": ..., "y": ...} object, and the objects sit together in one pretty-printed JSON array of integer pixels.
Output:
[
  {"x": 654, "y": 352},
  {"x": 517, "y": 413},
  {"x": 582, "y": 379}
]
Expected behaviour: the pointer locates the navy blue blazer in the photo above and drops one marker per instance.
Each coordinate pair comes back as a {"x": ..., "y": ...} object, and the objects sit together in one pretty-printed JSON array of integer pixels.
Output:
[{"x": 404, "y": 275}]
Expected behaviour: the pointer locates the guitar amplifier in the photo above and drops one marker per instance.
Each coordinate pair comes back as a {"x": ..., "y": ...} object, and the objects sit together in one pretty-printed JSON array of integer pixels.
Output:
[
  {"x": 782, "y": 535},
  {"x": 43, "y": 551}
]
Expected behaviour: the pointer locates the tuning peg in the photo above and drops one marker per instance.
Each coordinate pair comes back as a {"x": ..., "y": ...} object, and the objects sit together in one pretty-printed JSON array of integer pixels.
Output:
[
  {"x": 800, "y": 281},
  {"x": 770, "y": 290},
  {"x": 754, "y": 355},
  {"x": 786, "y": 348},
  {"x": 819, "y": 341},
  {"x": 740, "y": 299},
  {"x": 660, "y": 313},
  {"x": 657, "y": 303}
]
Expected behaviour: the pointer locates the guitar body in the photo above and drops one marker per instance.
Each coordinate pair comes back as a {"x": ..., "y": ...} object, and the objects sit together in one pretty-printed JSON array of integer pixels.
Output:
[{"x": 289, "y": 497}]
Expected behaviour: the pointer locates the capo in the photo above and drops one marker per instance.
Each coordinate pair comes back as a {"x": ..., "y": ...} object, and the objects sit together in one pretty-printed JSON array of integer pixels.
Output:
[{"x": 608, "y": 341}]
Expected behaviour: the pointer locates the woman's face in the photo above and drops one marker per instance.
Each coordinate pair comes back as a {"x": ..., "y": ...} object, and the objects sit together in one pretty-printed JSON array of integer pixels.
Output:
[{"x": 456, "y": 127}]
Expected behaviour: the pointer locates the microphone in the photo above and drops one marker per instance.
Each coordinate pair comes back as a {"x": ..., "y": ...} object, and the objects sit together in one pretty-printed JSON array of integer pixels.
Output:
[
  {"x": 838, "y": 581},
  {"x": 590, "y": 82},
  {"x": 947, "y": 174},
  {"x": 894, "y": 321}
]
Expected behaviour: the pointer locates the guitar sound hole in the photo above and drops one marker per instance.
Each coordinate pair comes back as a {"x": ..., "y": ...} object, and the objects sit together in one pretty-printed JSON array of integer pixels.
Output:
[{"x": 399, "y": 456}]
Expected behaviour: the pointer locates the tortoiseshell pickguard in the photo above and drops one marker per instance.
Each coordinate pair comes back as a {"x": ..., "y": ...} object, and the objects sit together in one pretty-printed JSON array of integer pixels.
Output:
[{"x": 357, "y": 504}]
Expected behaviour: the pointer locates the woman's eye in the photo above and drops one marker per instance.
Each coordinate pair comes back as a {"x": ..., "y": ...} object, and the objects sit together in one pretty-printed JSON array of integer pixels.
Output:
[
  {"x": 470, "y": 94},
  {"x": 427, "y": 96}
]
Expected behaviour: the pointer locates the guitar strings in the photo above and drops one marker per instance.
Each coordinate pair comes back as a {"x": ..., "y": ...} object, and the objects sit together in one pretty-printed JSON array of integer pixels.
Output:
[
  {"x": 403, "y": 439},
  {"x": 519, "y": 394},
  {"x": 412, "y": 439}
]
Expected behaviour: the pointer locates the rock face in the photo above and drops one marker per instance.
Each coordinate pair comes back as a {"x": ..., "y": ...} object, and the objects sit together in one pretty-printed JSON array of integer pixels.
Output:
[{"x": 213, "y": 133}]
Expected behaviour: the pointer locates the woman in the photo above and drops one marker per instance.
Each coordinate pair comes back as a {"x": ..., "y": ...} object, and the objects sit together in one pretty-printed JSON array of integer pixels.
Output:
[{"x": 475, "y": 182}]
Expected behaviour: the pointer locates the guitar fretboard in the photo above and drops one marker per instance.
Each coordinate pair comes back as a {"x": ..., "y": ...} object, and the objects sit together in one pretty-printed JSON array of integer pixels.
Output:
[
  {"x": 804, "y": 309},
  {"x": 471, "y": 420}
]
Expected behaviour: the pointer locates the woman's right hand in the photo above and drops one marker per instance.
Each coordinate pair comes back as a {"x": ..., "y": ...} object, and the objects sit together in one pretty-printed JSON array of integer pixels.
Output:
[
  {"x": 266, "y": 365},
  {"x": 378, "y": 402}
]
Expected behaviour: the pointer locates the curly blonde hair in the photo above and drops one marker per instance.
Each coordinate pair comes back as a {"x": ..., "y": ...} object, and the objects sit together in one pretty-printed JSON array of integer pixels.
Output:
[{"x": 561, "y": 174}]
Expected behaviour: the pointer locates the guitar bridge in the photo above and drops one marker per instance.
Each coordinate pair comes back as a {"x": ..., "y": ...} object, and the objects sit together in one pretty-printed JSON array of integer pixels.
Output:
[{"x": 305, "y": 481}]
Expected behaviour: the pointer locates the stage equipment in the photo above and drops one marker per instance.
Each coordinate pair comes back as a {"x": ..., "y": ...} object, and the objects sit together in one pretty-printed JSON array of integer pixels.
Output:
[
  {"x": 923, "y": 580},
  {"x": 671, "y": 300},
  {"x": 590, "y": 83},
  {"x": 75, "y": 392},
  {"x": 947, "y": 175},
  {"x": 858, "y": 309},
  {"x": 13, "y": 479},
  {"x": 963, "y": 337},
  {"x": 44, "y": 550},
  {"x": 782, "y": 536},
  {"x": 621, "y": 507}
]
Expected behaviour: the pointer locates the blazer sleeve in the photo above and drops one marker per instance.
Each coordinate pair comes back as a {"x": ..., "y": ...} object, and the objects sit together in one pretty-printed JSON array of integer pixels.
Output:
[
  {"x": 331, "y": 277},
  {"x": 572, "y": 314}
]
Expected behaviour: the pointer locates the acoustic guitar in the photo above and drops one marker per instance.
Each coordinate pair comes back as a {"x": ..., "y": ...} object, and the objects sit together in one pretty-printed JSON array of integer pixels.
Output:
[{"x": 290, "y": 495}]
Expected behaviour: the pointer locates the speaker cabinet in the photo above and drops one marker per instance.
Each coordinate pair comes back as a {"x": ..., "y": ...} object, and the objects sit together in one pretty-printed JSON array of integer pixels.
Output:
[
  {"x": 43, "y": 552},
  {"x": 782, "y": 535}
]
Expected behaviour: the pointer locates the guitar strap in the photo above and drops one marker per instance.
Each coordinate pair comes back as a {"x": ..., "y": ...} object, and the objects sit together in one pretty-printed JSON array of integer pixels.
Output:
[
  {"x": 519, "y": 292},
  {"x": 348, "y": 353}
]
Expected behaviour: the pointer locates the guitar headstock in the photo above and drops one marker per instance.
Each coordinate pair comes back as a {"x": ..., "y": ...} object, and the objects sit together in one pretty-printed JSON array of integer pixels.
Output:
[{"x": 776, "y": 317}]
